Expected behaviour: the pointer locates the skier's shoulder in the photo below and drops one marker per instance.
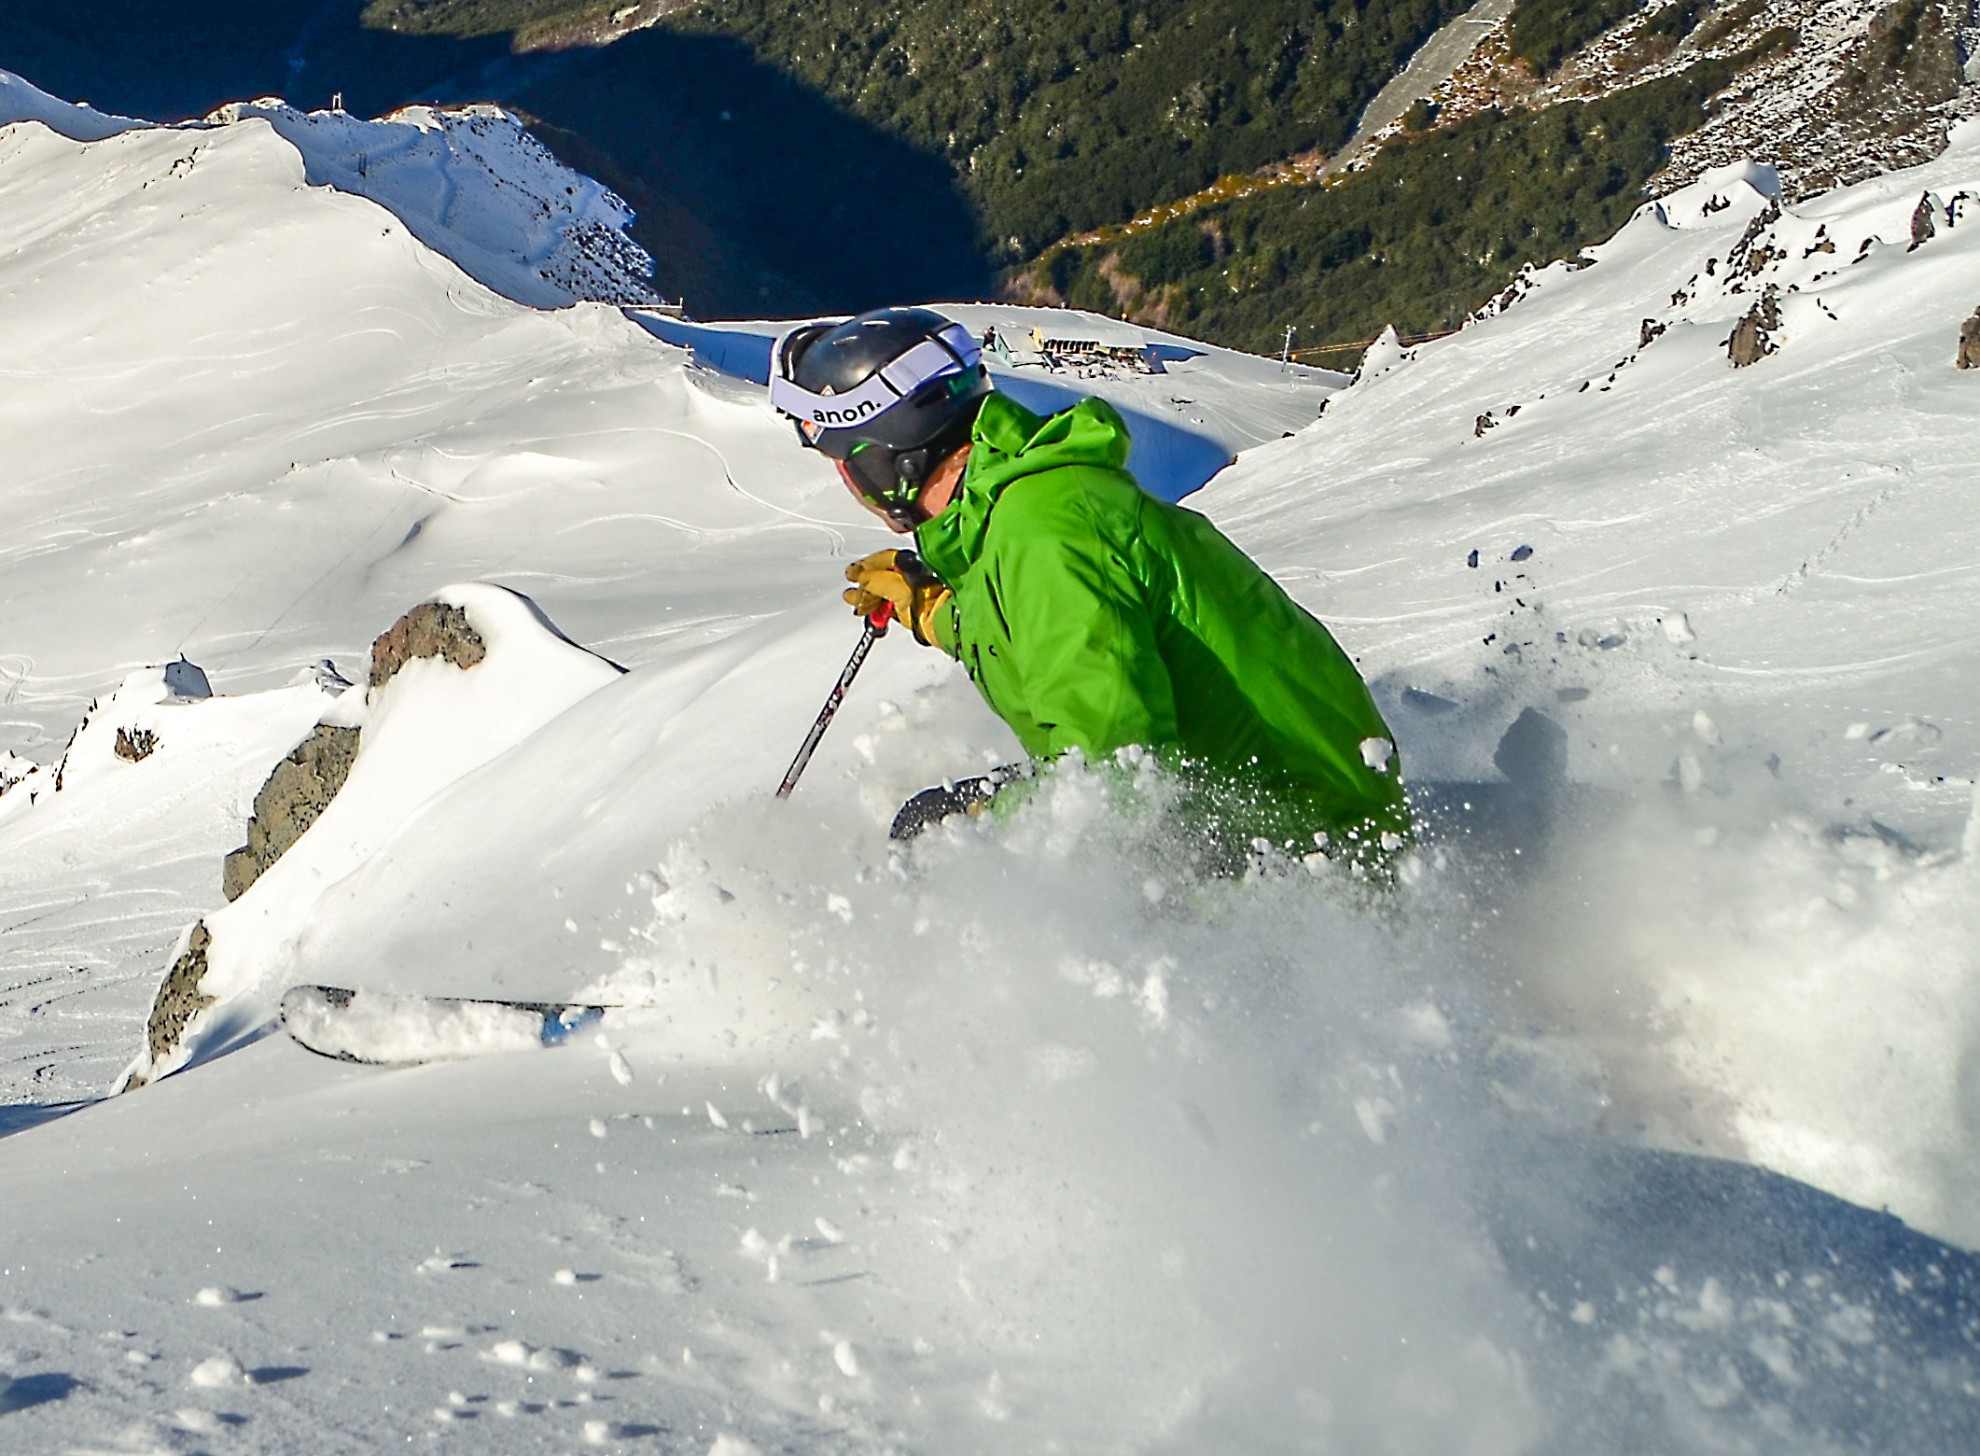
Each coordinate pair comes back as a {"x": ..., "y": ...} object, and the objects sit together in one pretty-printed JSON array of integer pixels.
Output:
[
  {"x": 1075, "y": 488},
  {"x": 1071, "y": 511}
]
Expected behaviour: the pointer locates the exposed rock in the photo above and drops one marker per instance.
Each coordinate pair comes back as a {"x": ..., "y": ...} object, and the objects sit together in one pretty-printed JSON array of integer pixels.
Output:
[
  {"x": 302, "y": 785},
  {"x": 179, "y": 999},
  {"x": 186, "y": 680},
  {"x": 431, "y": 629},
  {"x": 323, "y": 672},
  {"x": 1484, "y": 423},
  {"x": 1752, "y": 337},
  {"x": 62, "y": 763},
  {"x": 134, "y": 746},
  {"x": 1923, "y": 224},
  {"x": 299, "y": 789},
  {"x": 1755, "y": 243},
  {"x": 1845, "y": 89},
  {"x": 1650, "y": 331},
  {"x": 1969, "y": 343}
]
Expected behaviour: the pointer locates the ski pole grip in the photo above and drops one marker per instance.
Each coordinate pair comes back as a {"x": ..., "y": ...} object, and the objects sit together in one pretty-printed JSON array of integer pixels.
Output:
[{"x": 882, "y": 616}]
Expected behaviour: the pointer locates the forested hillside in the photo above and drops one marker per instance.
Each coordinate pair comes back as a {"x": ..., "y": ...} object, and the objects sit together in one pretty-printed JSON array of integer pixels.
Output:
[
  {"x": 1057, "y": 125},
  {"x": 1057, "y": 115},
  {"x": 1429, "y": 231},
  {"x": 1061, "y": 115}
]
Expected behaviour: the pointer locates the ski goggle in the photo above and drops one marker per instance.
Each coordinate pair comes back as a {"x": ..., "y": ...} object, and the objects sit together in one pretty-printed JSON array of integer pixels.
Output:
[{"x": 951, "y": 352}]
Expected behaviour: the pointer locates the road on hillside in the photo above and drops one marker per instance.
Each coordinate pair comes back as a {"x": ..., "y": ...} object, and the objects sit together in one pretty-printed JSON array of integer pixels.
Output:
[{"x": 1429, "y": 68}]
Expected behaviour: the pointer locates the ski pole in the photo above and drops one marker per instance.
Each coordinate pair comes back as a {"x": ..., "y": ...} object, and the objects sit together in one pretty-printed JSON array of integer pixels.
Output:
[{"x": 876, "y": 628}]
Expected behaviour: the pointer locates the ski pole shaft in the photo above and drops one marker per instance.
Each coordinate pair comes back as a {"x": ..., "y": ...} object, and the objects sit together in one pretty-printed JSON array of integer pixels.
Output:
[{"x": 876, "y": 628}]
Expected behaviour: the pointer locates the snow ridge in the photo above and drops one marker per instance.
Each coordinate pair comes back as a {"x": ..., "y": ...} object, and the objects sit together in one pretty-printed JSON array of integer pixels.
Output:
[{"x": 468, "y": 181}]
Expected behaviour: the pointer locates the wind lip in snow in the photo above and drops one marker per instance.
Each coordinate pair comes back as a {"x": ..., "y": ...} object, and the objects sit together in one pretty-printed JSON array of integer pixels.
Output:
[
  {"x": 470, "y": 182},
  {"x": 78, "y": 121},
  {"x": 1746, "y": 186}
]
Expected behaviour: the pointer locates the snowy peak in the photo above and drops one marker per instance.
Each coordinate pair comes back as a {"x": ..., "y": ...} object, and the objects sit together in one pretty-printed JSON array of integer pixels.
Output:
[{"x": 469, "y": 182}]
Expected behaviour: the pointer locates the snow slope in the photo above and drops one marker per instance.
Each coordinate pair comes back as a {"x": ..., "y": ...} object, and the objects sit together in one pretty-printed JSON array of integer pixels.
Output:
[
  {"x": 1027, "y": 1139},
  {"x": 1744, "y": 603}
]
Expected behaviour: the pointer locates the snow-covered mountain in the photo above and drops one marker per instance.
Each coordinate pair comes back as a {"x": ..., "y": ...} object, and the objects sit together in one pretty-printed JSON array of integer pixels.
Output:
[{"x": 1026, "y": 1139}]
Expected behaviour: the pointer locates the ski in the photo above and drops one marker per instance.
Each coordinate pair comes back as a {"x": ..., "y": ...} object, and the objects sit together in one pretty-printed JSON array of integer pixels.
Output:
[{"x": 394, "y": 1029}]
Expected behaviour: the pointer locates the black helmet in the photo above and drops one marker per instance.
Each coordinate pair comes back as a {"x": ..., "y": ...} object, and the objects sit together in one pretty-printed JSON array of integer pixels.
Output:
[{"x": 891, "y": 393}]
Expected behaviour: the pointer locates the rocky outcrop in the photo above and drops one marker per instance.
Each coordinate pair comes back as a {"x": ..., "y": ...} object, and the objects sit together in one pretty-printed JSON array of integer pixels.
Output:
[
  {"x": 303, "y": 784},
  {"x": 292, "y": 799},
  {"x": 300, "y": 788},
  {"x": 431, "y": 629},
  {"x": 1752, "y": 337},
  {"x": 1848, "y": 89},
  {"x": 135, "y": 745},
  {"x": 179, "y": 999},
  {"x": 1969, "y": 343},
  {"x": 1924, "y": 225}
]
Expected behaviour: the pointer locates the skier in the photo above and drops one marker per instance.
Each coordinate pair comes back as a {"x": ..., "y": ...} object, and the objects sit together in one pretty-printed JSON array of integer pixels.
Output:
[{"x": 1089, "y": 614}]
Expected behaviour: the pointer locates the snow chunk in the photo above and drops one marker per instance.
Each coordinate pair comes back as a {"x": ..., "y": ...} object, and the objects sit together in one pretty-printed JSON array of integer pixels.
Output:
[
  {"x": 1375, "y": 1114},
  {"x": 219, "y": 1372},
  {"x": 525, "y": 1356},
  {"x": 1423, "y": 1024}
]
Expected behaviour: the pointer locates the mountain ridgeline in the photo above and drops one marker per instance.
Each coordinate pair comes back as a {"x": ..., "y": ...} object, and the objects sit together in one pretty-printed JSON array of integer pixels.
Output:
[{"x": 1156, "y": 159}]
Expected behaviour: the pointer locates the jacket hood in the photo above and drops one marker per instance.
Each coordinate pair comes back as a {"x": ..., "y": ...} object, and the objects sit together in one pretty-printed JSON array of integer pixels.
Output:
[{"x": 1010, "y": 441}]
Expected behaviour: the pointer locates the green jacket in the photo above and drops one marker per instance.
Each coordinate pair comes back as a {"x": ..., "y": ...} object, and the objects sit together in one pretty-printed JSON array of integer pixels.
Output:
[{"x": 1091, "y": 615}]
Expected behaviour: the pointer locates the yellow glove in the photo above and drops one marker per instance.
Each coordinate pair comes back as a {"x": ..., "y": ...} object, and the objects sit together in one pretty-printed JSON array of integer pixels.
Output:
[{"x": 900, "y": 577}]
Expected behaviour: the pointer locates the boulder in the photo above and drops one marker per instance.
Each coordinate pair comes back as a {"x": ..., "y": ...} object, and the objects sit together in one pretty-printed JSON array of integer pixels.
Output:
[
  {"x": 431, "y": 629},
  {"x": 179, "y": 997},
  {"x": 299, "y": 789},
  {"x": 1752, "y": 337},
  {"x": 1969, "y": 343}
]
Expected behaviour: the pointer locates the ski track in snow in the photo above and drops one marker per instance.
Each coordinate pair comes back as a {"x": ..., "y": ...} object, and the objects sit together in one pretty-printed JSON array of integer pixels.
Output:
[{"x": 1030, "y": 1138}]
